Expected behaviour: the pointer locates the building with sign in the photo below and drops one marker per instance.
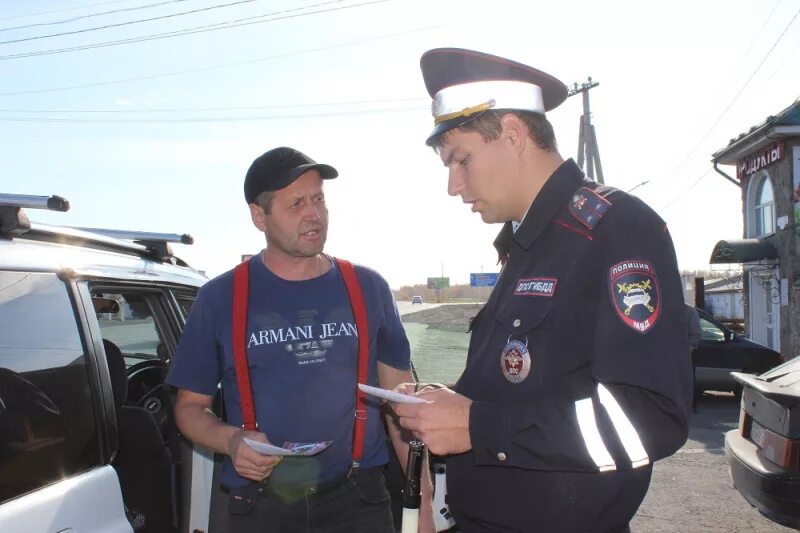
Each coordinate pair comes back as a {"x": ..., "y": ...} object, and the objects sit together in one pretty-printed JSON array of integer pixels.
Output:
[{"x": 767, "y": 163}]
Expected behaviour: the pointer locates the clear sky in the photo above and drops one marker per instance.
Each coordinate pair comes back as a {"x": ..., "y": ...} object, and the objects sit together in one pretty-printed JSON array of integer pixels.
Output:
[{"x": 157, "y": 135}]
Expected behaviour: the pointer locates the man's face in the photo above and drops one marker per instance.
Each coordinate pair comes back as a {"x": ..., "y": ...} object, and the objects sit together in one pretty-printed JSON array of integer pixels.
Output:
[
  {"x": 480, "y": 172},
  {"x": 297, "y": 223}
]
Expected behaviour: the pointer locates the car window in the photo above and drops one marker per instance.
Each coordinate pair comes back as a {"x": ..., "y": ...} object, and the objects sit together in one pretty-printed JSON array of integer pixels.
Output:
[
  {"x": 185, "y": 302},
  {"x": 132, "y": 326},
  {"x": 710, "y": 331},
  {"x": 47, "y": 421}
]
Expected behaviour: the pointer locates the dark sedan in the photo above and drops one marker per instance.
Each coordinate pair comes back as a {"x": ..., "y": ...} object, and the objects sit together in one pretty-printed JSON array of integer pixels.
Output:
[
  {"x": 764, "y": 453},
  {"x": 721, "y": 351}
]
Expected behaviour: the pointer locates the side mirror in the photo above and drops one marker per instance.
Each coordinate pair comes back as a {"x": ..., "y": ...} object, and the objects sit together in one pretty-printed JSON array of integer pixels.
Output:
[
  {"x": 729, "y": 335},
  {"x": 105, "y": 305}
]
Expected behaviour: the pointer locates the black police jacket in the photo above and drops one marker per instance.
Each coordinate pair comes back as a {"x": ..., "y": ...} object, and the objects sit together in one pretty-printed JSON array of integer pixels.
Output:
[{"x": 578, "y": 366}]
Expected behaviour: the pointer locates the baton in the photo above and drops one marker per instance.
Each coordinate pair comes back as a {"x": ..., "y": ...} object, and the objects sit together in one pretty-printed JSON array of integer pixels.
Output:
[{"x": 412, "y": 496}]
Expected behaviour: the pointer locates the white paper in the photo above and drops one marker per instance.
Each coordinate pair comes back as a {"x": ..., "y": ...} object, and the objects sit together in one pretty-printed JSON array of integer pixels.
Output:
[
  {"x": 289, "y": 448},
  {"x": 390, "y": 395}
]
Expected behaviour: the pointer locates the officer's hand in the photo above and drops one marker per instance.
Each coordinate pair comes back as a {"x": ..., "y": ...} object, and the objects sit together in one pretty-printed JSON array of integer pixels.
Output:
[
  {"x": 442, "y": 423},
  {"x": 413, "y": 388},
  {"x": 247, "y": 462}
]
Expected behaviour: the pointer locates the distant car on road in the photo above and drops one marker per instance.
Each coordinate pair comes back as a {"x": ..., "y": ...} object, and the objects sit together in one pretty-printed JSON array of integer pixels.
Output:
[
  {"x": 764, "y": 452},
  {"x": 721, "y": 351},
  {"x": 416, "y": 299}
]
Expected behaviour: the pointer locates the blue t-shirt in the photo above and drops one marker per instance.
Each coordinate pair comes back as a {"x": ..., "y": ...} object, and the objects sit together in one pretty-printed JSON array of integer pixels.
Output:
[{"x": 302, "y": 349}]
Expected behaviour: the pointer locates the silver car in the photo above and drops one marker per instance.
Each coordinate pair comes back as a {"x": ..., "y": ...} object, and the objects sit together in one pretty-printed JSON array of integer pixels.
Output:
[{"x": 89, "y": 320}]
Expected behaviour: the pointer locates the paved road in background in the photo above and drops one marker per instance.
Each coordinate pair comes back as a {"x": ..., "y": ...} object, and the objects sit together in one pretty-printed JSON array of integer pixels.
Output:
[
  {"x": 407, "y": 307},
  {"x": 691, "y": 491}
]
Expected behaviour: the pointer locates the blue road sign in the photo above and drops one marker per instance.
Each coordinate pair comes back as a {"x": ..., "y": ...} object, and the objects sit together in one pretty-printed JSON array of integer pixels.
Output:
[{"x": 484, "y": 279}]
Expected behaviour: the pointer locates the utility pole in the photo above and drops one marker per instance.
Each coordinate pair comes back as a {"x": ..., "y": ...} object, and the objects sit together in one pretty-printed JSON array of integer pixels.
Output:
[{"x": 587, "y": 140}]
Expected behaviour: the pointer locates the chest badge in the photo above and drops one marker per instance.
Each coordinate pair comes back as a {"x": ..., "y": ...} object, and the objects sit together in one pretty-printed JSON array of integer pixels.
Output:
[
  {"x": 634, "y": 291},
  {"x": 515, "y": 361},
  {"x": 544, "y": 287}
]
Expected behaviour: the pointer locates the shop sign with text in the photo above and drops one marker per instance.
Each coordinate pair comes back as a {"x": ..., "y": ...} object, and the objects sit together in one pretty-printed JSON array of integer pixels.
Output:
[{"x": 758, "y": 160}]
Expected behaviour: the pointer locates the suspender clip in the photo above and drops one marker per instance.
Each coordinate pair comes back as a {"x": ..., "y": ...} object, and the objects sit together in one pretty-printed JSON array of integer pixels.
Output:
[{"x": 353, "y": 469}]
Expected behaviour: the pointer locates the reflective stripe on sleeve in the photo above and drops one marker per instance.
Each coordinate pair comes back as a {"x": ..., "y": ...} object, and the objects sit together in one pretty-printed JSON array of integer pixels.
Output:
[
  {"x": 591, "y": 435},
  {"x": 627, "y": 433}
]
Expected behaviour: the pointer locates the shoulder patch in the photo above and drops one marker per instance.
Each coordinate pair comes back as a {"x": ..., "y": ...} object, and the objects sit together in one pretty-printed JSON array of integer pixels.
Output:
[
  {"x": 635, "y": 294},
  {"x": 588, "y": 207}
]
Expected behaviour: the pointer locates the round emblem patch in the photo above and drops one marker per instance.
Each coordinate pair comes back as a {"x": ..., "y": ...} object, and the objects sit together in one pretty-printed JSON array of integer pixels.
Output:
[{"x": 515, "y": 361}]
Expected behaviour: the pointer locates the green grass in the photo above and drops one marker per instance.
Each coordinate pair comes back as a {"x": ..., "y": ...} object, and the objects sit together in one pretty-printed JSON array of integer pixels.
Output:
[{"x": 438, "y": 355}]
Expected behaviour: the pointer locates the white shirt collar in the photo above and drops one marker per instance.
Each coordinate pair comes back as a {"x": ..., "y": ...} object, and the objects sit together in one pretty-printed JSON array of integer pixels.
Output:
[{"x": 515, "y": 225}]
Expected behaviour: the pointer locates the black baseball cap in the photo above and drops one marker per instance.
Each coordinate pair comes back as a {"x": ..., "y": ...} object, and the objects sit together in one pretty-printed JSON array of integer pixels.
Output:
[{"x": 278, "y": 168}]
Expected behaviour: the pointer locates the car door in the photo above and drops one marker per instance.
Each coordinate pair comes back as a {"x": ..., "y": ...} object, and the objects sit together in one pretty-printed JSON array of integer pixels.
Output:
[
  {"x": 145, "y": 323},
  {"x": 714, "y": 359},
  {"x": 54, "y": 429}
]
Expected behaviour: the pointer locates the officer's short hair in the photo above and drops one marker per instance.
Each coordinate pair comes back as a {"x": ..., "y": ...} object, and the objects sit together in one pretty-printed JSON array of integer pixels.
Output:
[{"x": 488, "y": 125}]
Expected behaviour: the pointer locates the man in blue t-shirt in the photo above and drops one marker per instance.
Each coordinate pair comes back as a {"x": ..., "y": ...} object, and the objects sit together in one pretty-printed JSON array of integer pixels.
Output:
[{"x": 302, "y": 351}]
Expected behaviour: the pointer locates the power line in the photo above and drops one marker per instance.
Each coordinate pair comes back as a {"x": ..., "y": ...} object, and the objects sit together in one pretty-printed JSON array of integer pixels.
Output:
[
  {"x": 214, "y": 109},
  {"x": 215, "y": 119},
  {"x": 139, "y": 21},
  {"x": 198, "y": 29},
  {"x": 686, "y": 191},
  {"x": 727, "y": 108},
  {"x": 779, "y": 67},
  {"x": 224, "y": 65},
  {"x": 758, "y": 34},
  {"x": 91, "y": 15},
  {"x": 63, "y": 10},
  {"x": 746, "y": 83}
]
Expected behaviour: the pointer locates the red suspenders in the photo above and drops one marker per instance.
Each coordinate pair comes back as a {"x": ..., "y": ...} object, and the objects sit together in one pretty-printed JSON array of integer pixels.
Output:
[
  {"x": 241, "y": 287},
  {"x": 241, "y": 278}
]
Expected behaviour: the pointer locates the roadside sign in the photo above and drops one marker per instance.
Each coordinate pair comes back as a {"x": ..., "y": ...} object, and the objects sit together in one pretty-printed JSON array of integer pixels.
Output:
[
  {"x": 438, "y": 283},
  {"x": 483, "y": 279}
]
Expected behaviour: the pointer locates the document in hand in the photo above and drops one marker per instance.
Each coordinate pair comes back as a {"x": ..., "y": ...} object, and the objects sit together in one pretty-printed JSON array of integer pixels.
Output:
[
  {"x": 389, "y": 395},
  {"x": 289, "y": 448}
]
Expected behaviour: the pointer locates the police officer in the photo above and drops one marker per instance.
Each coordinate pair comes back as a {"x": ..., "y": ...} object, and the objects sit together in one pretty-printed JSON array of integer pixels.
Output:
[{"x": 578, "y": 375}]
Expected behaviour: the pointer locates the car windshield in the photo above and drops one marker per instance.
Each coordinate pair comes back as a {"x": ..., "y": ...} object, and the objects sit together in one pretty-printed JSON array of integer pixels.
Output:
[{"x": 710, "y": 331}]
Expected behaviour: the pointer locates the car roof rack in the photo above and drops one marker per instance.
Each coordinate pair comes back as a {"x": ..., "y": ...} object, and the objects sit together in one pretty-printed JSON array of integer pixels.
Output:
[
  {"x": 14, "y": 222},
  {"x": 157, "y": 243}
]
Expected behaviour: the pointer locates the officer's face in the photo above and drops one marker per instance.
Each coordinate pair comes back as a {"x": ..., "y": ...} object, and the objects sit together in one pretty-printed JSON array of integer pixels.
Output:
[
  {"x": 480, "y": 172},
  {"x": 297, "y": 224}
]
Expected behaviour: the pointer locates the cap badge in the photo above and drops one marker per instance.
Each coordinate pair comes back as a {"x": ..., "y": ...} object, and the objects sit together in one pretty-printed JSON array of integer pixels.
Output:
[{"x": 466, "y": 112}]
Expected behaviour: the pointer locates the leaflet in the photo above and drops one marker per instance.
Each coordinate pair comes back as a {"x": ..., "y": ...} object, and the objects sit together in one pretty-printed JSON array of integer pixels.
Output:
[
  {"x": 392, "y": 396},
  {"x": 289, "y": 448}
]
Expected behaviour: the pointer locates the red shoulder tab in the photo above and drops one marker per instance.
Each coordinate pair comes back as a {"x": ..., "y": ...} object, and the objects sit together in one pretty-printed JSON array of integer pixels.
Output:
[{"x": 588, "y": 207}]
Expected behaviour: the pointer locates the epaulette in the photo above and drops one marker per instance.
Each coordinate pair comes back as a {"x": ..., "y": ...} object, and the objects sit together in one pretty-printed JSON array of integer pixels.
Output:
[{"x": 588, "y": 207}]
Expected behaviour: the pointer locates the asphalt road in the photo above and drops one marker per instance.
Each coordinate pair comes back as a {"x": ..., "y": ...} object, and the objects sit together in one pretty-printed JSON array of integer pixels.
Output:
[
  {"x": 406, "y": 307},
  {"x": 692, "y": 491}
]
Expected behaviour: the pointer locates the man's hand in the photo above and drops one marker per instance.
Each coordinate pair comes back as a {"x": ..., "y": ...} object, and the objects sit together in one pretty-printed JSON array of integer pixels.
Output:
[
  {"x": 442, "y": 423},
  {"x": 247, "y": 462}
]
